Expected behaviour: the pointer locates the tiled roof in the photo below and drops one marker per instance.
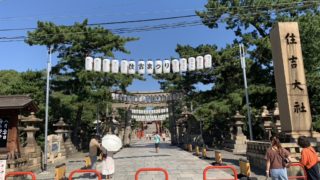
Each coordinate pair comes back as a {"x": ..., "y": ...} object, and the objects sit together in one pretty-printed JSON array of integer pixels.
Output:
[{"x": 16, "y": 102}]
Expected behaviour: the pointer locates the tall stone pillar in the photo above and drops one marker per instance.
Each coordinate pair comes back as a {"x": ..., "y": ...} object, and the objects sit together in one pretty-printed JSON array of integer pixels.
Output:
[
  {"x": 32, "y": 150},
  {"x": 292, "y": 93}
]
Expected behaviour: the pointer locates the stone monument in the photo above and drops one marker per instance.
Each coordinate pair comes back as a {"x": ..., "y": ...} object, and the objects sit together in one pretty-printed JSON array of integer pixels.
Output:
[
  {"x": 292, "y": 93},
  {"x": 56, "y": 150}
]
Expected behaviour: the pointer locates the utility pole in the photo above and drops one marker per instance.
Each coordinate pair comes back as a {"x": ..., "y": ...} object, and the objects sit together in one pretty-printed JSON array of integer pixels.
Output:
[
  {"x": 47, "y": 111},
  {"x": 243, "y": 65}
]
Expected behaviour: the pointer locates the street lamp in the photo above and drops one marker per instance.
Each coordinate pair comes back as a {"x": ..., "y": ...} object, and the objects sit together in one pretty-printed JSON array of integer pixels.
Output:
[
  {"x": 243, "y": 65},
  {"x": 47, "y": 110}
]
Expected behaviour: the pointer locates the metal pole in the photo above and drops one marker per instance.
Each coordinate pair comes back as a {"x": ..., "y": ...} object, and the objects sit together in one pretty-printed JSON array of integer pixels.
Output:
[
  {"x": 243, "y": 65},
  {"x": 47, "y": 111}
]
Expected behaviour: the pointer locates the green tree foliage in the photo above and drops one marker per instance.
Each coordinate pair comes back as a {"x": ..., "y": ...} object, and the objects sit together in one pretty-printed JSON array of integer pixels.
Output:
[
  {"x": 251, "y": 22},
  {"x": 77, "y": 95}
]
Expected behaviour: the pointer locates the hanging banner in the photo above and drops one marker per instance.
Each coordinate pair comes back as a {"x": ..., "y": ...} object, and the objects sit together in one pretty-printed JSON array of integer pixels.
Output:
[
  {"x": 106, "y": 65},
  {"x": 115, "y": 66},
  {"x": 183, "y": 65},
  {"x": 207, "y": 61},
  {"x": 199, "y": 60},
  {"x": 89, "y": 63},
  {"x": 149, "y": 67},
  {"x": 141, "y": 67},
  {"x": 132, "y": 67},
  {"x": 175, "y": 66},
  {"x": 158, "y": 67},
  {"x": 192, "y": 64},
  {"x": 97, "y": 64},
  {"x": 124, "y": 67}
]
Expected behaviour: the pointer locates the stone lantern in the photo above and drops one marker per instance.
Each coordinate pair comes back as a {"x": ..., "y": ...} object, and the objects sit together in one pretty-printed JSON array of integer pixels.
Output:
[
  {"x": 31, "y": 149},
  {"x": 276, "y": 116},
  {"x": 61, "y": 131},
  {"x": 238, "y": 118},
  {"x": 267, "y": 123},
  {"x": 70, "y": 148},
  {"x": 240, "y": 146},
  {"x": 184, "y": 124},
  {"x": 30, "y": 129}
]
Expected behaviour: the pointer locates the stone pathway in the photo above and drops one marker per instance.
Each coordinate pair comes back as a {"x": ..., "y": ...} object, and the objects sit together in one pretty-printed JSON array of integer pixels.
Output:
[{"x": 180, "y": 164}]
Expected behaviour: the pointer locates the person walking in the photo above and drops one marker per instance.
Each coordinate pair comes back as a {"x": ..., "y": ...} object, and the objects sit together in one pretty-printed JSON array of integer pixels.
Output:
[
  {"x": 94, "y": 145},
  {"x": 309, "y": 158},
  {"x": 277, "y": 159},
  {"x": 108, "y": 167},
  {"x": 157, "y": 140}
]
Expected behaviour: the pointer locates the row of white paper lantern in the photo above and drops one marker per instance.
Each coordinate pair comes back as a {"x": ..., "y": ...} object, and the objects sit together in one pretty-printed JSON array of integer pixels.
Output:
[
  {"x": 158, "y": 67},
  {"x": 145, "y": 98},
  {"x": 153, "y": 111},
  {"x": 150, "y": 118}
]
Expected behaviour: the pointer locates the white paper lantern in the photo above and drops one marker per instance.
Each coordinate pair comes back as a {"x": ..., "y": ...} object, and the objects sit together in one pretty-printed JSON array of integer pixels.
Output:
[
  {"x": 132, "y": 67},
  {"x": 166, "y": 66},
  {"x": 175, "y": 66},
  {"x": 141, "y": 67},
  {"x": 183, "y": 65},
  {"x": 89, "y": 63},
  {"x": 115, "y": 66},
  {"x": 124, "y": 67},
  {"x": 106, "y": 65},
  {"x": 97, "y": 64},
  {"x": 192, "y": 63},
  {"x": 149, "y": 67},
  {"x": 207, "y": 61},
  {"x": 199, "y": 60},
  {"x": 158, "y": 67}
]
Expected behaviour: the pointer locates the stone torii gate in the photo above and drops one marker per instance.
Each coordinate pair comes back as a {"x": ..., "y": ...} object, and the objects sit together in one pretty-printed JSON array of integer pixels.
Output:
[{"x": 147, "y": 99}]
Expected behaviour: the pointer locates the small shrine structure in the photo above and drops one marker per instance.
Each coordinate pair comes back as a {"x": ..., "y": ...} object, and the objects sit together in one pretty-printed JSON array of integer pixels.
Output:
[{"x": 10, "y": 148}]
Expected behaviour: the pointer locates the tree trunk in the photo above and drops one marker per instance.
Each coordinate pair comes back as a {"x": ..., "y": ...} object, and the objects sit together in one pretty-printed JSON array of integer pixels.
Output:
[
  {"x": 75, "y": 138},
  {"x": 127, "y": 131},
  {"x": 172, "y": 126}
]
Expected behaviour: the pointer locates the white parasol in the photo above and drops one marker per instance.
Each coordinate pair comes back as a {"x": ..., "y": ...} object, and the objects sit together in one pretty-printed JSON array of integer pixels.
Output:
[{"x": 111, "y": 142}]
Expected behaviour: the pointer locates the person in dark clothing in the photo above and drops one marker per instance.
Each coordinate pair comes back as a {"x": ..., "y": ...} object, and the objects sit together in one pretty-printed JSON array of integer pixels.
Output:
[{"x": 309, "y": 158}]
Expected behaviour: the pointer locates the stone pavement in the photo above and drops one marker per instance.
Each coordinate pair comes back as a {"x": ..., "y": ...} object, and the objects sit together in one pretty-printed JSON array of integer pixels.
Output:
[{"x": 180, "y": 164}]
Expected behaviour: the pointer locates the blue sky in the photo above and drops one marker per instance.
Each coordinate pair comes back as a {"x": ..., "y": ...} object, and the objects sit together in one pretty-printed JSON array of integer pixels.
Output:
[{"x": 152, "y": 44}]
